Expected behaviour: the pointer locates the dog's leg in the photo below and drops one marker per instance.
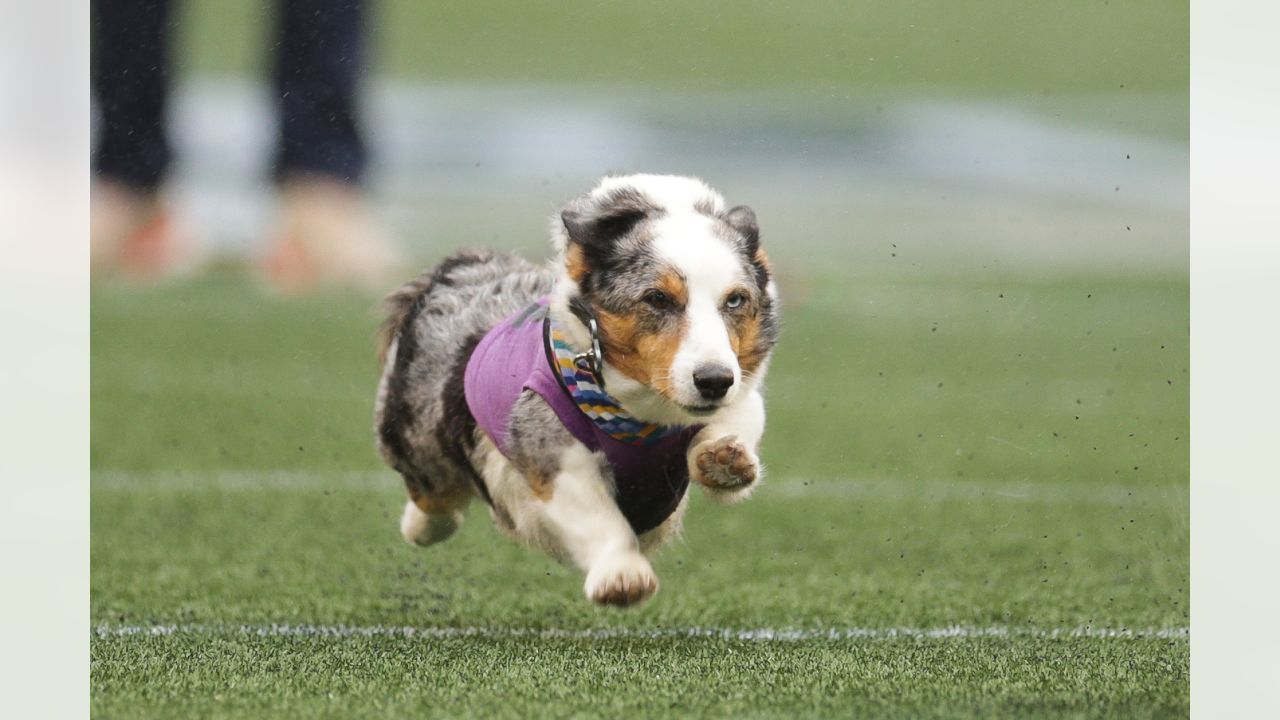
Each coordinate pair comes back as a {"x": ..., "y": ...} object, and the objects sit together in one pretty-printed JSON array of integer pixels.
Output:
[
  {"x": 583, "y": 516},
  {"x": 570, "y": 512},
  {"x": 556, "y": 494},
  {"x": 722, "y": 457},
  {"x": 429, "y": 517}
]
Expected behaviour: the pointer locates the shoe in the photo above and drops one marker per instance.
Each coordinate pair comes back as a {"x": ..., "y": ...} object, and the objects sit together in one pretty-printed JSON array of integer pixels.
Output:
[
  {"x": 133, "y": 234},
  {"x": 327, "y": 237}
]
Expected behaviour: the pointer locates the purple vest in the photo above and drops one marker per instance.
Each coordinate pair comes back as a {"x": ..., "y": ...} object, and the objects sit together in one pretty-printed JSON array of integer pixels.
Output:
[{"x": 515, "y": 356}]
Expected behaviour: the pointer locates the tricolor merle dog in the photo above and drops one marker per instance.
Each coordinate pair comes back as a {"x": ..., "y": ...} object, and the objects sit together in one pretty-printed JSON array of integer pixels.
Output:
[{"x": 579, "y": 400}]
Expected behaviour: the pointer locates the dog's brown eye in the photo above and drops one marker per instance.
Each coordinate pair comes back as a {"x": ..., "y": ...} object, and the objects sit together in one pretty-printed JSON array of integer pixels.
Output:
[
  {"x": 735, "y": 301},
  {"x": 658, "y": 299}
]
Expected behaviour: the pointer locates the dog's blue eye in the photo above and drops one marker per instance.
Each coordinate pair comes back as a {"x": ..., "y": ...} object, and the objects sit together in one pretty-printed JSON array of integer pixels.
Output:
[{"x": 735, "y": 301}]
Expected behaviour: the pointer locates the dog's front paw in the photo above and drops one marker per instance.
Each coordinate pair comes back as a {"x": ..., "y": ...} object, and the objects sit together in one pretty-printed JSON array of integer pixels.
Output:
[
  {"x": 725, "y": 465},
  {"x": 623, "y": 579}
]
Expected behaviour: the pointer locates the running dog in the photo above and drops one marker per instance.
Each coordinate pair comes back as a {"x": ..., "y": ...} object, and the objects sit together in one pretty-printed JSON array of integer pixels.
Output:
[{"x": 579, "y": 400}]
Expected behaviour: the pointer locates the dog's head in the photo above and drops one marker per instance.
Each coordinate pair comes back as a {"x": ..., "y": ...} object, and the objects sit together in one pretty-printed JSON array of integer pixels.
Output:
[{"x": 680, "y": 288}]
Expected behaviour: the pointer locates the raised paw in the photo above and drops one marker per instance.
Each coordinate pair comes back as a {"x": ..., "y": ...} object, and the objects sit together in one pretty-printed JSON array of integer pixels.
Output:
[
  {"x": 621, "y": 580},
  {"x": 725, "y": 464}
]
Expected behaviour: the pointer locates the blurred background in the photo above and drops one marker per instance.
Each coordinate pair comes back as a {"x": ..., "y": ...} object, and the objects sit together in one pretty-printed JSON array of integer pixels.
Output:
[
  {"x": 983, "y": 131},
  {"x": 885, "y": 146},
  {"x": 979, "y": 214}
]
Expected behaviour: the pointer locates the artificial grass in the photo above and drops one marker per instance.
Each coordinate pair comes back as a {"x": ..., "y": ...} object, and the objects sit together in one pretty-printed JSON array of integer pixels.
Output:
[
  {"x": 945, "y": 449},
  {"x": 1081, "y": 380},
  {"x": 330, "y": 554},
  {"x": 993, "y": 47},
  {"x": 235, "y": 676}
]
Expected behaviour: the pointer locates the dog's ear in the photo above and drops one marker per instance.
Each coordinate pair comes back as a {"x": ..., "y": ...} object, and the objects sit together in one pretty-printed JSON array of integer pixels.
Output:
[
  {"x": 598, "y": 231},
  {"x": 743, "y": 220},
  {"x": 596, "y": 223}
]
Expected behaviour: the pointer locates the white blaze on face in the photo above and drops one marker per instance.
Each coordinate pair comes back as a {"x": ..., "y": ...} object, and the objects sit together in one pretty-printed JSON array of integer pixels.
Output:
[{"x": 711, "y": 268}]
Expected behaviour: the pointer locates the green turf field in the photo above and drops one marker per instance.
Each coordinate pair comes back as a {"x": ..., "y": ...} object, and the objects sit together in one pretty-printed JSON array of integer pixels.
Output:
[
  {"x": 831, "y": 46},
  {"x": 1003, "y": 454}
]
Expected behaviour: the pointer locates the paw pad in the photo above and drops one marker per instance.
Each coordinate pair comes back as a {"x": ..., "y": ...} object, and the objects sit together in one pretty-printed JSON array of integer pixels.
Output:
[{"x": 726, "y": 464}]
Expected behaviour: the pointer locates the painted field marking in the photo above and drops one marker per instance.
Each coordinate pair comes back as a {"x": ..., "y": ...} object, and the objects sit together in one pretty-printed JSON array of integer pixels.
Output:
[
  {"x": 781, "y": 488},
  {"x": 749, "y": 635},
  {"x": 1024, "y": 491}
]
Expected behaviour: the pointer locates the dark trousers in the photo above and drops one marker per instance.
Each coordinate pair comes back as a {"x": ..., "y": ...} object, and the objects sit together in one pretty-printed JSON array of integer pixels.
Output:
[{"x": 317, "y": 59}]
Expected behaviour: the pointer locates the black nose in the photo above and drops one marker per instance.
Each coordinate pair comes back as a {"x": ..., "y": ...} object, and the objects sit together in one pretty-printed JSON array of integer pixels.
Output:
[{"x": 712, "y": 381}]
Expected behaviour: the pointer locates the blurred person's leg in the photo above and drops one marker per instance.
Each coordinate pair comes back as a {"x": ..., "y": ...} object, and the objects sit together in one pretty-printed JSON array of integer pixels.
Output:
[
  {"x": 326, "y": 233},
  {"x": 130, "y": 229}
]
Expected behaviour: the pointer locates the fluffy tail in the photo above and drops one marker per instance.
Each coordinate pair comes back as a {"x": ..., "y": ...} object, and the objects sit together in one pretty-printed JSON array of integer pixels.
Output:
[{"x": 398, "y": 307}]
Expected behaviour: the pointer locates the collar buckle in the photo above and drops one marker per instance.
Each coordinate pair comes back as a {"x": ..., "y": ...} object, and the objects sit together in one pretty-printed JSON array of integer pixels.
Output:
[{"x": 592, "y": 360}]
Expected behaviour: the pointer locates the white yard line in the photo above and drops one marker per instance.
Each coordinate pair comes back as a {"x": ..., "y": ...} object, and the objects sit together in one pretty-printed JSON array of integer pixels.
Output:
[
  {"x": 781, "y": 488},
  {"x": 751, "y": 635},
  {"x": 1017, "y": 491},
  {"x": 240, "y": 481}
]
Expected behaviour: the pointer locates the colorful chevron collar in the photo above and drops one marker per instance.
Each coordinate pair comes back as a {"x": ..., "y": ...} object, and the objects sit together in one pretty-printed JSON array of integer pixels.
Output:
[{"x": 588, "y": 394}]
